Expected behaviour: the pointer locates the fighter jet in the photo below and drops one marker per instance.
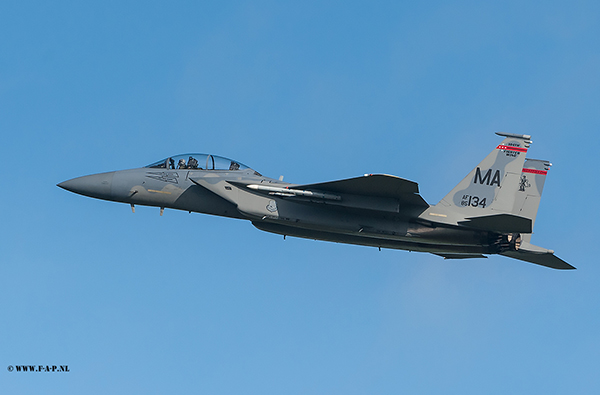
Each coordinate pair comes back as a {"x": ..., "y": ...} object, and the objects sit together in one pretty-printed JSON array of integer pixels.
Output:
[{"x": 491, "y": 211}]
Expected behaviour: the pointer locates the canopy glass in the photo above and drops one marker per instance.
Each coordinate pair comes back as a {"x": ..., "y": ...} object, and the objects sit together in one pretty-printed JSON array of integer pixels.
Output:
[{"x": 199, "y": 162}]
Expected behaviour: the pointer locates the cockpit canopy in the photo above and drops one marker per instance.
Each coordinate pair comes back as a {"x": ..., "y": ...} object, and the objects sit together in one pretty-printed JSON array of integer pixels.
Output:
[{"x": 199, "y": 162}]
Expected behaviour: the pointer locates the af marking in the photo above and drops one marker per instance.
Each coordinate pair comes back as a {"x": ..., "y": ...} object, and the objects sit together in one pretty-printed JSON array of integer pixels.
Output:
[{"x": 473, "y": 201}]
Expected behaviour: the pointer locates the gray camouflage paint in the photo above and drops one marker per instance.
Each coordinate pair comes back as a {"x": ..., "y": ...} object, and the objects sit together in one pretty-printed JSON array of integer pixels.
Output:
[{"x": 477, "y": 217}]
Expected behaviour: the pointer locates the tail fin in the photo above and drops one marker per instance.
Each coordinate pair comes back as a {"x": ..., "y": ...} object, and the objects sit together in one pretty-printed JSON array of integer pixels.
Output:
[
  {"x": 526, "y": 205},
  {"x": 489, "y": 191},
  {"x": 530, "y": 190}
]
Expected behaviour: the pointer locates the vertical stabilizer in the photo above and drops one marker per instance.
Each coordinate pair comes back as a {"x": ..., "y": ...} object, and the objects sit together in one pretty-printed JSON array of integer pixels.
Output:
[
  {"x": 531, "y": 185},
  {"x": 490, "y": 188}
]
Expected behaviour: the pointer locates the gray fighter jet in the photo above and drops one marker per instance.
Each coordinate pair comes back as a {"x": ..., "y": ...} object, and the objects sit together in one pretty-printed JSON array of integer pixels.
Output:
[{"x": 491, "y": 211}]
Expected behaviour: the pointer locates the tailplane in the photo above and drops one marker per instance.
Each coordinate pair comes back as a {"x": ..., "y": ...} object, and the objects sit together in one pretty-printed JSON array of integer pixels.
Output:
[{"x": 538, "y": 255}]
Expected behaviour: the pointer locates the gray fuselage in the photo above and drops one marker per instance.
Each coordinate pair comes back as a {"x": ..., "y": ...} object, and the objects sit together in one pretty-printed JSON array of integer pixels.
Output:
[{"x": 371, "y": 221}]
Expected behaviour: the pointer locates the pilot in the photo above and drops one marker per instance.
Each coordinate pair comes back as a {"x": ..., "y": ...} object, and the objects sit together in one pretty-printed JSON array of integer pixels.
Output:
[
  {"x": 192, "y": 163},
  {"x": 181, "y": 164},
  {"x": 234, "y": 166}
]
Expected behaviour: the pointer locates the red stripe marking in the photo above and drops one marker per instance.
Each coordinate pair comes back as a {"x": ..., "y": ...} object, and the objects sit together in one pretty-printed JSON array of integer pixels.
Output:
[
  {"x": 534, "y": 171},
  {"x": 509, "y": 148}
]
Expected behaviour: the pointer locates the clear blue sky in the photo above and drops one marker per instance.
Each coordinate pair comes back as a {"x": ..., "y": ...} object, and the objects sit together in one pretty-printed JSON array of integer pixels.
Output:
[{"x": 314, "y": 91}]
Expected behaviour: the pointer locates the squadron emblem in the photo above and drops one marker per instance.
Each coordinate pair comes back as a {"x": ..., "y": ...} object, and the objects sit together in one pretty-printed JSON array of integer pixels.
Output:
[{"x": 524, "y": 183}]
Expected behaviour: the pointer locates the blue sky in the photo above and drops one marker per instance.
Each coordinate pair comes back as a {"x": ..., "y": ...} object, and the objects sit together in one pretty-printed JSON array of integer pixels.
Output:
[{"x": 314, "y": 91}]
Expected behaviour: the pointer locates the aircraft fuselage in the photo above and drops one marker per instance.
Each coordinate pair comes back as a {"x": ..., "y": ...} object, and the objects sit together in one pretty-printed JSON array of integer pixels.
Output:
[{"x": 387, "y": 225}]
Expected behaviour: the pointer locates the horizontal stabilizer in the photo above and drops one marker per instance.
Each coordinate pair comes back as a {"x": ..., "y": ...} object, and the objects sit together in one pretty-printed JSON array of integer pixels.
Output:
[
  {"x": 501, "y": 223},
  {"x": 378, "y": 185},
  {"x": 547, "y": 259}
]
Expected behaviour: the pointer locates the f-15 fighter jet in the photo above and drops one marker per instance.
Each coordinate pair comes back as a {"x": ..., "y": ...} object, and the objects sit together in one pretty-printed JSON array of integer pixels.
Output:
[{"x": 491, "y": 211}]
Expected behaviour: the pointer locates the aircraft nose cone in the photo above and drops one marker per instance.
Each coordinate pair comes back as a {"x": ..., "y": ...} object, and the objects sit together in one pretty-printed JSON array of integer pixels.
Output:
[{"x": 96, "y": 186}]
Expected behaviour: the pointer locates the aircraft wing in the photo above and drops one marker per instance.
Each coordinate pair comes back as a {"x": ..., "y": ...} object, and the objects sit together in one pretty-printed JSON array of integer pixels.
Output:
[{"x": 373, "y": 185}]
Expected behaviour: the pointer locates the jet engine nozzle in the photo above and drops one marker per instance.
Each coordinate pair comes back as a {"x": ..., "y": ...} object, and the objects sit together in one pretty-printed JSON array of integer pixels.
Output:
[{"x": 507, "y": 242}]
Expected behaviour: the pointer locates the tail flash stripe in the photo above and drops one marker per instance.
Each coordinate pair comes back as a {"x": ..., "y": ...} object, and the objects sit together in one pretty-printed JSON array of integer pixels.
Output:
[
  {"x": 509, "y": 148},
  {"x": 534, "y": 171}
]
